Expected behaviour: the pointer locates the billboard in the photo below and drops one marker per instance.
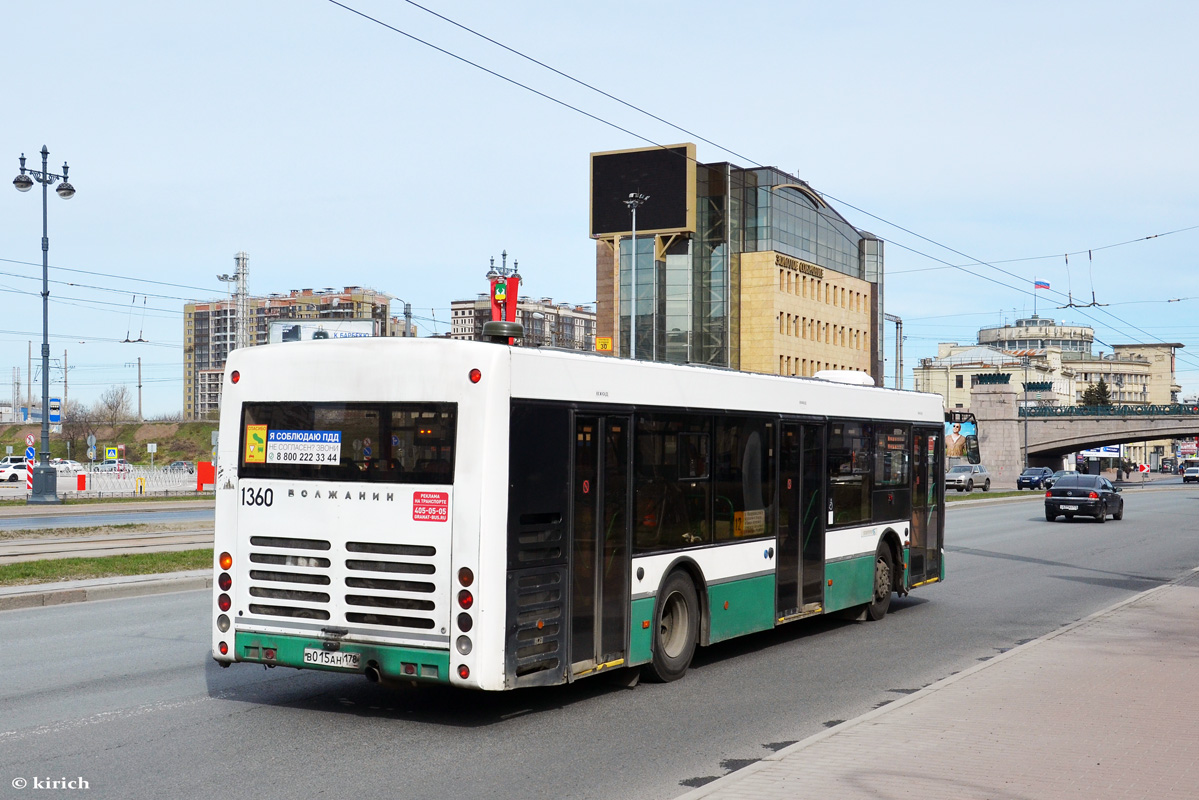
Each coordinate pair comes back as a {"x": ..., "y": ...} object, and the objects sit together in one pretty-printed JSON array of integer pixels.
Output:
[
  {"x": 304, "y": 330},
  {"x": 667, "y": 174}
]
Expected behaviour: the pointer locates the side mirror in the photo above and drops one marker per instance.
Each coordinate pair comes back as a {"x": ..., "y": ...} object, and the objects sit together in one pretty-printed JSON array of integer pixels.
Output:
[
  {"x": 1118, "y": 489},
  {"x": 972, "y": 452}
]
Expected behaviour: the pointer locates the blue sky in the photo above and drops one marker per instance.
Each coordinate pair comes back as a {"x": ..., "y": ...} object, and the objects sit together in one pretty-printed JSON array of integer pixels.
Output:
[{"x": 337, "y": 152}]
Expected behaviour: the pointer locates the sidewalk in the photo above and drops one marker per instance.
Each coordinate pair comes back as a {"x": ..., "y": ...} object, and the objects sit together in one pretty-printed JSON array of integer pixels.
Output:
[{"x": 1107, "y": 707}]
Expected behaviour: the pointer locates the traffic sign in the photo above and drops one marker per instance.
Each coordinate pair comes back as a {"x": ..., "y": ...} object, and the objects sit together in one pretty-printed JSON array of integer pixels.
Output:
[
  {"x": 29, "y": 440},
  {"x": 110, "y": 453},
  {"x": 91, "y": 454},
  {"x": 91, "y": 440},
  {"x": 29, "y": 454},
  {"x": 1143, "y": 467}
]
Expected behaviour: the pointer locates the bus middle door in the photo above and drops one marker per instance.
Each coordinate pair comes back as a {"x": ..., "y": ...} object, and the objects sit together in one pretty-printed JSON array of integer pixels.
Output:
[{"x": 599, "y": 544}]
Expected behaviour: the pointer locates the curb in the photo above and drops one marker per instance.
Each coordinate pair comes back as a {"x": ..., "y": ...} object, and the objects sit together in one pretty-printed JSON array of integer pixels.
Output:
[
  {"x": 768, "y": 761},
  {"x": 13, "y": 598}
]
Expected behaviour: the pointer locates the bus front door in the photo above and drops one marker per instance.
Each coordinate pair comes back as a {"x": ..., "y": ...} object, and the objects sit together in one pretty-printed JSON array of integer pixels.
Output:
[
  {"x": 924, "y": 548},
  {"x": 599, "y": 552},
  {"x": 800, "y": 564}
]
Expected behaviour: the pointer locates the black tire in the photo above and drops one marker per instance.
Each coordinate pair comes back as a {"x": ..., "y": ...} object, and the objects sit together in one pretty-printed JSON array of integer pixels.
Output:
[
  {"x": 676, "y": 628},
  {"x": 12, "y": 479},
  {"x": 1119, "y": 515},
  {"x": 1102, "y": 515},
  {"x": 987, "y": 485},
  {"x": 1050, "y": 516},
  {"x": 969, "y": 486},
  {"x": 884, "y": 569}
]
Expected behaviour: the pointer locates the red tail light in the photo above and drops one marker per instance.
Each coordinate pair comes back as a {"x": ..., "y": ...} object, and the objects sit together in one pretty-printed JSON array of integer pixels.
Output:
[
  {"x": 223, "y": 602},
  {"x": 465, "y": 599},
  {"x": 463, "y": 671},
  {"x": 1093, "y": 495},
  {"x": 1049, "y": 494}
]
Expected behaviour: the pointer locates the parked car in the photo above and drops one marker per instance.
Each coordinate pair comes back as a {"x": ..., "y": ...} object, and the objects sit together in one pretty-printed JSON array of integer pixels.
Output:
[
  {"x": 12, "y": 472},
  {"x": 11, "y": 460},
  {"x": 1052, "y": 479},
  {"x": 113, "y": 465},
  {"x": 1192, "y": 474},
  {"x": 1083, "y": 495},
  {"x": 1033, "y": 478},
  {"x": 65, "y": 466},
  {"x": 964, "y": 477},
  {"x": 181, "y": 466}
]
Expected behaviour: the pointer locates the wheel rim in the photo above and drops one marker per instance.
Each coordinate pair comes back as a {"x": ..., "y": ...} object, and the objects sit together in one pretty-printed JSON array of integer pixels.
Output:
[
  {"x": 674, "y": 625},
  {"x": 882, "y": 579}
]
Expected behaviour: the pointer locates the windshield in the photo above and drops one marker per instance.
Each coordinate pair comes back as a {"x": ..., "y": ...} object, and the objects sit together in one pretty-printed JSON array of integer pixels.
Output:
[
  {"x": 960, "y": 469},
  {"x": 1032, "y": 471}
]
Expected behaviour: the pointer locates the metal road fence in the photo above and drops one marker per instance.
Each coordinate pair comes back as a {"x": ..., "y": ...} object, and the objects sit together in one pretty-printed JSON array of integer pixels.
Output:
[
  {"x": 1164, "y": 410},
  {"x": 135, "y": 480}
]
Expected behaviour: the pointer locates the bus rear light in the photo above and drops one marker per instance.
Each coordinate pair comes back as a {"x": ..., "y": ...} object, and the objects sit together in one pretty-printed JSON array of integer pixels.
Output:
[
  {"x": 465, "y": 576},
  {"x": 235, "y": 376},
  {"x": 225, "y": 581},
  {"x": 226, "y": 561},
  {"x": 224, "y": 648},
  {"x": 475, "y": 376},
  {"x": 268, "y": 653},
  {"x": 463, "y": 645},
  {"x": 408, "y": 669},
  {"x": 466, "y": 599},
  {"x": 223, "y": 602},
  {"x": 222, "y": 623},
  {"x": 463, "y": 671},
  {"x": 465, "y": 623}
]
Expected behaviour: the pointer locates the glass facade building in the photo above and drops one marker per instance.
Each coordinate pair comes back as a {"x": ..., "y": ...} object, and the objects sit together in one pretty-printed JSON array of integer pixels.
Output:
[{"x": 689, "y": 292}]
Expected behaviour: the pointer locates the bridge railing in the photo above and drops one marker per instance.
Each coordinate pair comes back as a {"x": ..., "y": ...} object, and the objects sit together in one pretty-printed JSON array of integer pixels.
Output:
[{"x": 1162, "y": 410}]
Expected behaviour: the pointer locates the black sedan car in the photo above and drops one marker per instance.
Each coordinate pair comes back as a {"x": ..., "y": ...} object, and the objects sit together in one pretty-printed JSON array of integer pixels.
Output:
[
  {"x": 1033, "y": 478},
  {"x": 1083, "y": 495}
]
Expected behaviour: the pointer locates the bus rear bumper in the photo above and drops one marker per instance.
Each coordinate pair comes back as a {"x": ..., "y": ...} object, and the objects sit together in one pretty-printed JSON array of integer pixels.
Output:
[{"x": 382, "y": 663}]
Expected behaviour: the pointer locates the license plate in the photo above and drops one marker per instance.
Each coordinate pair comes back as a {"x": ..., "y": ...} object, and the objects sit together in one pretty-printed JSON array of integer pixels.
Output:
[
  {"x": 331, "y": 658},
  {"x": 1069, "y": 508}
]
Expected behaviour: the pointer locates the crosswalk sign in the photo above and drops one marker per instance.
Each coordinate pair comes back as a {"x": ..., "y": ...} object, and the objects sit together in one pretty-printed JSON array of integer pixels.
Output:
[{"x": 110, "y": 454}]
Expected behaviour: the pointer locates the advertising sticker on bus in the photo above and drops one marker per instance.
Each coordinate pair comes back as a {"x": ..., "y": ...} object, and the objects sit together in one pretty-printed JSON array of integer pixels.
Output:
[
  {"x": 256, "y": 444},
  {"x": 302, "y": 447},
  {"x": 431, "y": 506}
]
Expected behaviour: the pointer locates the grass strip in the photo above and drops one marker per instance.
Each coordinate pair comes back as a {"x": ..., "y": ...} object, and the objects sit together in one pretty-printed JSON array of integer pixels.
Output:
[
  {"x": 125, "y": 498},
  {"x": 76, "y": 569}
]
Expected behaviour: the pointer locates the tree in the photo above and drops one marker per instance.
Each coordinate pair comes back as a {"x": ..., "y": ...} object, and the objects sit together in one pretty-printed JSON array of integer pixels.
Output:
[
  {"x": 78, "y": 420},
  {"x": 113, "y": 406},
  {"x": 1097, "y": 395}
]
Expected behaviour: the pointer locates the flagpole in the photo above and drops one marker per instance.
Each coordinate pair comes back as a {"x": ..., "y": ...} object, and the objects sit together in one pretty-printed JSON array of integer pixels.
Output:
[{"x": 1034, "y": 295}]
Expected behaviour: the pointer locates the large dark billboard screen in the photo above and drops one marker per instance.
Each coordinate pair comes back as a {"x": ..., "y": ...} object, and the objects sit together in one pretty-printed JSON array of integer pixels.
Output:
[{"x": 666, "y": 174}]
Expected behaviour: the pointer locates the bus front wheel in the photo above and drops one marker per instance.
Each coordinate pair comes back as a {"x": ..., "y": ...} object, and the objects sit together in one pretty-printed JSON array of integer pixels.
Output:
[
  {"x": 676, "y": 628},
  {"x": 883, "y": 569}
]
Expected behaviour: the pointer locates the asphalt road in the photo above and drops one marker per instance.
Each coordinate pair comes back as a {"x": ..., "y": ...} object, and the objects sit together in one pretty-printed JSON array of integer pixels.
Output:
[
  {"x": 122, "y": 693},
  {"x": 126, "y": 517}
]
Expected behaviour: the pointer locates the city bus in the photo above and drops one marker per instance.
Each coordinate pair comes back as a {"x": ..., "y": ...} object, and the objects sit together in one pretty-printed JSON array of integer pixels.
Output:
[{"x": 494, "y": 517}]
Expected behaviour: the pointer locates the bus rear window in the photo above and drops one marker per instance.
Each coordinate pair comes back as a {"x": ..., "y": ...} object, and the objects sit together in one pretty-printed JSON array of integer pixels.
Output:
[{"x": 349, "y": 442}]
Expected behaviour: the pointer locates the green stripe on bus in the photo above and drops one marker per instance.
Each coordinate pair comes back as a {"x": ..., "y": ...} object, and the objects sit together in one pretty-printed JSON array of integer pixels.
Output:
[
  {"x": 740, "y": 607},
  {"x": 641, "y": 631},
  {"x": 849, "y": 583},
  {"x": 427, "y": 665}
]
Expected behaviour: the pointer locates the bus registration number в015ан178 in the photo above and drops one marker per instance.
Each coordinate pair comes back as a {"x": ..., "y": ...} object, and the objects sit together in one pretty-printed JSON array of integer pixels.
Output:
[{"x": 328, "y": 658}]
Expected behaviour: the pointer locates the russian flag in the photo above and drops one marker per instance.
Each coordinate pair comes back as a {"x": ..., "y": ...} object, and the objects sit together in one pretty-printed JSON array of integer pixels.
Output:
[{"x": 1040, "y": 285}]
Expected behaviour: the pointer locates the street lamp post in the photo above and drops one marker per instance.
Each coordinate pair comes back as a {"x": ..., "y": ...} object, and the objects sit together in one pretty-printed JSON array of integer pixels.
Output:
[
  {"x": 635, "y": 199},
  {"x": 45, "y": 477}
]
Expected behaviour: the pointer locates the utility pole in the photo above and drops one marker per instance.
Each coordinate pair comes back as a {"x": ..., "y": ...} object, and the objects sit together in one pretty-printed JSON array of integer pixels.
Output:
[
  {"x": 64, "y": 380},
  {"x": 29, "y": 384},
  {"x": 140, "y": 418},
  {"x": 898, "y": 349}
]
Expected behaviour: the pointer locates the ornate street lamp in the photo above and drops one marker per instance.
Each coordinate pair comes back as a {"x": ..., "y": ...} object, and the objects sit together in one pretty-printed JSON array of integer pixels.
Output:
[{"x": 45, "y": 477}]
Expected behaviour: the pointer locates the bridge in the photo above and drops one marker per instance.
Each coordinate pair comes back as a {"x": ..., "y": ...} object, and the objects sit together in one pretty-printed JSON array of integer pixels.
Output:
[{"x": 1054, "y": 431}]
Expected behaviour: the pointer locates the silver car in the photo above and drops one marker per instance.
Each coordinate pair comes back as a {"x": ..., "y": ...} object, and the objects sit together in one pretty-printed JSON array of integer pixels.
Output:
[{"x": 964, "y": 477}]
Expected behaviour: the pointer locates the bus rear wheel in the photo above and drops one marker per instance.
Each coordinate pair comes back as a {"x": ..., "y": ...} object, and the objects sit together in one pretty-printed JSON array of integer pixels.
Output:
[
  {"x": 883, "y": 570},
  {"x": 676, "y": 628}
]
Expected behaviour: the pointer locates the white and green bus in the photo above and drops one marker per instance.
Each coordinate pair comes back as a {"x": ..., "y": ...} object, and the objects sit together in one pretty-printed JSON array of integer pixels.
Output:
[{"x": 495, "y": 517}]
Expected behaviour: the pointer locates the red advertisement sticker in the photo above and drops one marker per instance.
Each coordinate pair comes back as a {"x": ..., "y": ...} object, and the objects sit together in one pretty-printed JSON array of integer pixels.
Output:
[{"x": 431, "y": 506}]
